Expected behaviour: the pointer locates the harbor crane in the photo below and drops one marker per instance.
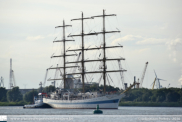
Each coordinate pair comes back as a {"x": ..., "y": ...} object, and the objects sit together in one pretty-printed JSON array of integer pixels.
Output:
[
  {"x": 56, "y": 74},
  {"x": 143, "y": 75},
  {"x": 45, "y": 77},
  {"x": 74, "y": 69},
  {"x": 121, "y": 73},
  {"x": 158, "y": 81},
  {"x": 1, "y": 82},
  {"x": 13, "y": 77},
  {"x": 12, "y": 82},
  {"x": 168, "y": 85},
  {"x": 153, "y": 84}
]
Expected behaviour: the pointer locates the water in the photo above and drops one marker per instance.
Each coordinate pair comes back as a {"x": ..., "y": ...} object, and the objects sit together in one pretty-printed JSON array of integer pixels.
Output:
[{"x": 17, "y": 113}]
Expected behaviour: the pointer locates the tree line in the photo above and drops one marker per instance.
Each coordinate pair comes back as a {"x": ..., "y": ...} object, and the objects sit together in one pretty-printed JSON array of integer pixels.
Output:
[
  {"x": 156, "y": 95},
  {"x": 14, "y": 95},
  {"x": 136, "y": 95},
  {"x": 95, "y": 87}
]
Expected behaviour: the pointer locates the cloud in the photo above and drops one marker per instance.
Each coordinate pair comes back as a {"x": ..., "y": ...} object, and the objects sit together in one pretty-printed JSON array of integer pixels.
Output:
[
  {"x": 164, "y": 26},
  {"x": 129, "y": 37},
  {"x": 151, "y": 41},
  {"x": 174, "y": 59},
  {"x": 33, "y": 38},
  {"x": 140, "y": 40},
  {"x": 175, "y": 48},
  {"x": 56, "y": 34},
  {"x": 126, "y": 38},
  {"x": 180, "y": 80},
  {"x": 141, "y": 50},
  {"x": 174, "y": 44}
]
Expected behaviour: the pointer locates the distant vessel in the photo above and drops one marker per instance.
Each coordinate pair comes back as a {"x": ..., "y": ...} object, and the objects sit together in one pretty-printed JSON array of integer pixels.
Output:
[
  {"x": 67, "y": 97},
  {"x": 38, "y": 103}
]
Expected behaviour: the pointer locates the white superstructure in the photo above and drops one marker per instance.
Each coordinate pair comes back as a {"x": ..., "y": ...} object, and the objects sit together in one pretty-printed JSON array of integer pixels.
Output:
[{"x": 104, "y": 102}]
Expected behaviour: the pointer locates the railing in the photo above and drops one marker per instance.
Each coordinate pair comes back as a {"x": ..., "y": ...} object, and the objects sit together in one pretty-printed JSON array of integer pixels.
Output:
[{"x": 80, "y": 98}]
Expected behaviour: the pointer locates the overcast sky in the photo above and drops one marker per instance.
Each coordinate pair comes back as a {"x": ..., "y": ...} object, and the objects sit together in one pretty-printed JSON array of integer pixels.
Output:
[{"x": 151, "y": 30}]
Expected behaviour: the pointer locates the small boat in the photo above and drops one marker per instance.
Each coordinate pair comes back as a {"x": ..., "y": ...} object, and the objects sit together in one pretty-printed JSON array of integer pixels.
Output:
[{"x": 38, "y": 102}]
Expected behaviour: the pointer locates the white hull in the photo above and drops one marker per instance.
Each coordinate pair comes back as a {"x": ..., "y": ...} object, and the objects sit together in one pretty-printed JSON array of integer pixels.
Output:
[
  {"x": 37, "y": 104},
  {"x": 104, "y": 102}
]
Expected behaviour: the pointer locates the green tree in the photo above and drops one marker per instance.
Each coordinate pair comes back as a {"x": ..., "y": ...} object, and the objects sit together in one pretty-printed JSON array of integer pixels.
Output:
[
  {"x": 156, "y": 95},
  {"x": 29, "y": 96},
  {"x": 3, "y": 92},
  {"x": 172, "y": 97},
  {"x": 131, "y": 97},
  {"x": 160, "y": 99},
  {"x": 160, "y": 94},
  {"x": 146, "y": 97},
  {"x": 169, "y": 97},
  {"x": 14, "y": 95},
  {"x": 180, "y": 93},
  {"x": 48, "y": 89},
  {"x": 153, "y": 98}
]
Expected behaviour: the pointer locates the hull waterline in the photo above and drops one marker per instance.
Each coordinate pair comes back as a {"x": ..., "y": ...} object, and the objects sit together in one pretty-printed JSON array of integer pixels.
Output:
[{"x": 104, "y": 102}]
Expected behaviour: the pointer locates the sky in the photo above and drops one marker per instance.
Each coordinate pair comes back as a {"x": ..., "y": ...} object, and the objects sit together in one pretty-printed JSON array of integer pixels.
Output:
[{"x": 150, "y": 31}]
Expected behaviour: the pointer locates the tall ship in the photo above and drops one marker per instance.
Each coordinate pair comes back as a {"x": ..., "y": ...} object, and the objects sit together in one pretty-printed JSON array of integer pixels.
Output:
[{"x": 68, "y": 96}]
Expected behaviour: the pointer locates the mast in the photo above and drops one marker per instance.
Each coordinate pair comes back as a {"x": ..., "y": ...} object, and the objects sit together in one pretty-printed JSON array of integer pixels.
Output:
[
  {"x": 64, "y": 55},
  {"x": 104, "y": 48},
  {"x": 104, "y": 51},
  {"x": 83, "y": 65},
  {"x": 82, "y": 49}
]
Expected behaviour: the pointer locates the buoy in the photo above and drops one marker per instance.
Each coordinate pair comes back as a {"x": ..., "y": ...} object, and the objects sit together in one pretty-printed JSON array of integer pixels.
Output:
[{"x": 97, "y": 111}]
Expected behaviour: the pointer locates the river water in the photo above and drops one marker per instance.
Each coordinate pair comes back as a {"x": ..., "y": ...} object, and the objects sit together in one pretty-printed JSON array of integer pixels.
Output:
[{"x": 124, "y": 114}]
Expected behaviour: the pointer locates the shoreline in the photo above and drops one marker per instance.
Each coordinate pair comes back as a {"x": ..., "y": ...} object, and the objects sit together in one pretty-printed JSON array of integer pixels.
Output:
[
  {"x": 121, "y": 104},
  {"x": 21, "y": 103},
  {"x": 151, "y": 104}
]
